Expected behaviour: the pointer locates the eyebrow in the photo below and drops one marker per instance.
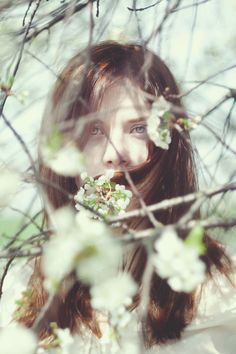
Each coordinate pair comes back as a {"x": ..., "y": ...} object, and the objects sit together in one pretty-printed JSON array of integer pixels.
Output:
[
  {"x": 137, "y": 120},
  {"x": 130, "y": 121}
]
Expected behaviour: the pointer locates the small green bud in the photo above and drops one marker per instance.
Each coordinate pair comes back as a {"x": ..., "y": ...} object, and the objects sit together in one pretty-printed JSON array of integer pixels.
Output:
[{"x": 195, "y": 239}]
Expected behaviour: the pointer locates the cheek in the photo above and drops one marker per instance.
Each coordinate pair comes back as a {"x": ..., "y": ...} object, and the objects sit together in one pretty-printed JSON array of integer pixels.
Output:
[
  {"x": 93, "y": 152},
  {"x": 138, "y": 151}
]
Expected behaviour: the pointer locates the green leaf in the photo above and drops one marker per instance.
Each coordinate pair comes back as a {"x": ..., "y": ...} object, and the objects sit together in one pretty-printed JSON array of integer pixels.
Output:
[
  {"x": 185, "y": 122},
  {"x": 19, "y": 302},
  {"x": 10, "y": 81},
  {"x": 195, "y": 239},
  {"x": 55, "y": 140},
  {"x": 167, "y": 116}
]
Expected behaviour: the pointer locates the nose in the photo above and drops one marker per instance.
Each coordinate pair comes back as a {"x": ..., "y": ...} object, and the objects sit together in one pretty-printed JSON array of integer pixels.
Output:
[{"x": 115, "y": 154}]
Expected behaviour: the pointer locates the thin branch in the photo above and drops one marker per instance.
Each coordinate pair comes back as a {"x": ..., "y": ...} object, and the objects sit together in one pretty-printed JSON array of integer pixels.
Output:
[
  {"x": 184, "y": 94},
  {"x": 98, "y": 4},
  {"x": 154, "y": 234},
  {"x": 151, "y": 233},
  {"x": 190, "y": 44},
  {"x": 31, "y": 221},
  {"x": 192, "y": 5},
  {"x": 144, "y": 8},
  {"x": 27, "y": 11},
  {"x": 216, "y": 106},
  {"x": 170, "y": 203},
  {"x": 15, "y": 70},
  {"x": 45, "y": 65},
  {"x": 4, "y": 274},
  {"x": 168, "y": 12},
  {"x": 21, "y": 141},
  {"x": 42, "y": 313},
  {"x": 218, "y": 137},
  {"x": 21, "y": 254},
  {"x": 54, "y": 18}
]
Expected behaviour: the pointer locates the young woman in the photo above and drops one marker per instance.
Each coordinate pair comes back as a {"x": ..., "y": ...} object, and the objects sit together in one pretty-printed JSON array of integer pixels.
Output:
[{"x": 101, "y": 101}]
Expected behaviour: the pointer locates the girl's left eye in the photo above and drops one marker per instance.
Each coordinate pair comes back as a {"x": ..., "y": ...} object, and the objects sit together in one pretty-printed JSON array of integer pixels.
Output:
[
  {"x": 95, "y": 130},
  {"x": 139, "y": 129}
]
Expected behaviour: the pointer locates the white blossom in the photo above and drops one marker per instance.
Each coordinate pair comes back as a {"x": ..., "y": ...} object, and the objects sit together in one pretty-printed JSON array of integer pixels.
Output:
[
  {"x": 160, "y": 106},
  {"x": 110, "y": 173},
  {"x": 18, "y": 339},
  {"x": 177, "y": 262},
  {"x": 130, "y": 348},
  {"x": 194, "y": 122},
  {"x": 100, "y": 258},
  {"x": 113, "y": 293},
  {"x": 67, "y": 160},
  {"x": 121, "y": 188},
  {"x": 62, "y": 219},
  {"x": 58, "y": 258},
  {"x": 65, "y": 340},
  {"x": 83, "y": 175},
  {"x": 120, "y": 317},
  {"x": 60, "y": 251},
  {"x": 160, "y": 137},
  {"x": 105, "y": 178},
  {"x": 157, "y": 129},
  {"x": 188, "y": 123},
  {"x": 86, "y": 246},
  {"x": 9, "y": 185},
  {"x": 103, "y": 196},
  {"x": 123, "y": 203}
]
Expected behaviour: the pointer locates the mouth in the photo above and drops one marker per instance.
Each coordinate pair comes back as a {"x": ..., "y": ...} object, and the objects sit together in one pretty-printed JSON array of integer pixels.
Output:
[
  {"x": 118, "y": 177},
  {"x": 136, "y": 174}
]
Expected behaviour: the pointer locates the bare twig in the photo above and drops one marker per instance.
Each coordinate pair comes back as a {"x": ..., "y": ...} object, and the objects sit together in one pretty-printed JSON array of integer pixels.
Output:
[
  {"x": 20, "y": 54},
  {"x": 54, "y": 18},
  {"x": 169, "y": 203},
  {"x": 144, "y": 8},
  {"x": 31, "y": 221},
  {"x": 21, "y": 141},
  {"x": 196, "y": 4},
  {"x": 4, "y": 274},
  {"x": 202, "y": 82},
  {"x": 168, "y": 12},
  {"x": 154, "y": 234}
]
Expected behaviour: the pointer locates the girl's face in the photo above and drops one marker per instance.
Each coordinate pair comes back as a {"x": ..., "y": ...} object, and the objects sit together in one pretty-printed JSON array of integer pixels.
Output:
[{"x": 117, "y": 138}]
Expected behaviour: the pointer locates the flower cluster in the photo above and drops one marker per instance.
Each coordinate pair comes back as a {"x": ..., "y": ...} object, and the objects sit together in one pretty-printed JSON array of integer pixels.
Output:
[
  {"x": 89, "y": 248},
  {"x": 158, "y": 123},
  {"x": 102, "y": 195},
  {"x": 161, "y": 120},
  {"x": 189, "y": 124},
  {"x": 114, "y": 295},
  {"x": 178, "y": 262},
  {"x": 60, "y": 341},
  {"x": 79, "y": 243}
]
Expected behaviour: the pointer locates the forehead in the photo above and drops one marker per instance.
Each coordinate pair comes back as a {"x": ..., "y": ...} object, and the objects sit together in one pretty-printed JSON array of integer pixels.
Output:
[{"x": 123, "y": 99}]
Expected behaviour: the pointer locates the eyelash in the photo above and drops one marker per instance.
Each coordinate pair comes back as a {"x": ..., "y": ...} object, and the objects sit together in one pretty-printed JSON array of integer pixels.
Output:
[
  {"x": 99, "y": 131},
  {"x": 139, "y": 126}
]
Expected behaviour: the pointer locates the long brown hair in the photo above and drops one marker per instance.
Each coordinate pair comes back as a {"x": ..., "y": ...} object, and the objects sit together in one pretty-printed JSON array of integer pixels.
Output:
[{"x": 167, "y": 174}]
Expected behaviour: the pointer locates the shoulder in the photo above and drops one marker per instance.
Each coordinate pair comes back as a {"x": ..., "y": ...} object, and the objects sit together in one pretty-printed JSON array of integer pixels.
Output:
[{"x": 15, "y": 282}]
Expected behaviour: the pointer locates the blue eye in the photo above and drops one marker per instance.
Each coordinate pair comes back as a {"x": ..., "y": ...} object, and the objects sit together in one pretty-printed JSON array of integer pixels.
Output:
[
  {"x": 139, "y": 129},
  {"x": 96, "y": 131}
]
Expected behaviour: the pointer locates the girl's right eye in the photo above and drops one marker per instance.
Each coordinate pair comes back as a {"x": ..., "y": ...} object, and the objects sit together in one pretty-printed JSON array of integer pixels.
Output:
[{"x": 95, "y": 130}]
